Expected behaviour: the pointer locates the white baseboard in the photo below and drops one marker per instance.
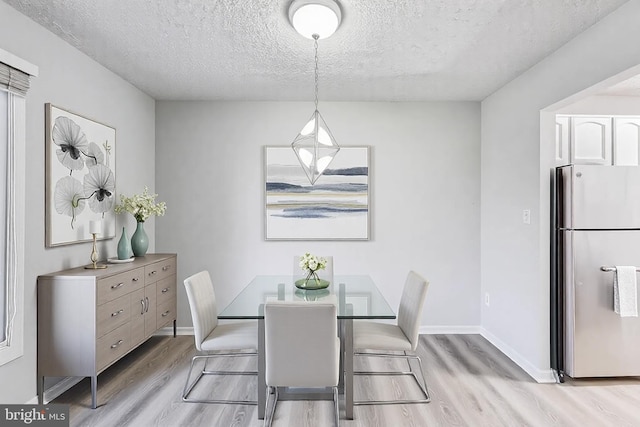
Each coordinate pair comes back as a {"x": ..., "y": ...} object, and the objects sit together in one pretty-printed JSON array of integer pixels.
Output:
[
  {"x": 541, "y": 376},
  {"x": 57, "y": 389},
  {"x": 453, "y": 330},
  {"x": 181, "y": 330}
]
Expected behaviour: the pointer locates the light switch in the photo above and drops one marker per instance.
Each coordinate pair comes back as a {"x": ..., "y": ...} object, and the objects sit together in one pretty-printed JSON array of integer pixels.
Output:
[{"x": 526, "y": 216}]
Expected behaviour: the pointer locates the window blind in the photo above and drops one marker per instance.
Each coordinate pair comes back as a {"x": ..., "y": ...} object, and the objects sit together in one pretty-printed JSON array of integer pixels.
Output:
[{"x": 13, "y": 80}]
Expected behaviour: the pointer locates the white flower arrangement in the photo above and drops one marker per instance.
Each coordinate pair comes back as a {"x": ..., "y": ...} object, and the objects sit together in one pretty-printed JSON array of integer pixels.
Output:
[
  {"x": 141, "y": 206},
  {"x": 311, "y": 264}
]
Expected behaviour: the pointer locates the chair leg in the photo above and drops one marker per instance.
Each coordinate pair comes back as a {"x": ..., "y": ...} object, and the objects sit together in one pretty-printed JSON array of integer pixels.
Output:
[
  {"x": 336, "y": 406},
  {"x": 268, "y": 419},
  {"x": 189, "y": 387},
  {"x": 423, "y": 389}
]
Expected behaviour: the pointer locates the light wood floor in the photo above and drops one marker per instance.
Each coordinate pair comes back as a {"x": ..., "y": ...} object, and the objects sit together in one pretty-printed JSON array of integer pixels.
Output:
[{"x": 471, "y": 384}]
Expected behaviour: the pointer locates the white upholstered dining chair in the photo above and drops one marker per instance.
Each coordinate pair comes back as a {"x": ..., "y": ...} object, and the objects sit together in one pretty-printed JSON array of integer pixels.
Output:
[
  {"x": 373, "y": 339},
  {"x": 302, "y": 348},
  {"x": 238, "y": 339}
]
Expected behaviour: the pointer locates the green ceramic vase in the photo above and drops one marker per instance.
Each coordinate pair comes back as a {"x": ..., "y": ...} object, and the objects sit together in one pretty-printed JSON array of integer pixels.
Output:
[
  {"x": 139, "y": 241},
  {"x": 124, "y": 247}
]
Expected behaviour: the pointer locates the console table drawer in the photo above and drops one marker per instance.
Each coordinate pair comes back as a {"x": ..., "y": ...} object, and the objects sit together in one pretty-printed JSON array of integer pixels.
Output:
[
  {"x": 115, "y": 286},
  {"x": 165, "y": 313},
  {"x": 113, "y": 314},
  {"x": 159, "y": 270},
  {"x": 166, "y": 290},
  {"x": 113, "y": 346}
]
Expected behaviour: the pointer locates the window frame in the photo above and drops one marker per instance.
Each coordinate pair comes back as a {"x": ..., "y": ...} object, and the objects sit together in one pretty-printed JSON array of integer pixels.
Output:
[{"x": 13, "y": 345}]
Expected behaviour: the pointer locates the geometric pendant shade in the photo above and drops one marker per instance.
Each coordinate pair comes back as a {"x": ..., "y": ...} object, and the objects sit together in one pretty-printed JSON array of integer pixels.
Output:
[{"x": 315, "y": 147}]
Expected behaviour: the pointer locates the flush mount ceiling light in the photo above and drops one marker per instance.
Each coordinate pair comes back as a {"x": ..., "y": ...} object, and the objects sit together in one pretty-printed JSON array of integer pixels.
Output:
[
  {"x": 309, "y": 17},
  {"x": 314, "y": 146}
]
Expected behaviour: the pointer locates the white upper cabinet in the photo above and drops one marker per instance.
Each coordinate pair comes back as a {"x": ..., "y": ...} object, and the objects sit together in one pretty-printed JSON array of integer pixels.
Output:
[
  {"x": 626, "y": 141},
  {"x": 597, "y": 140},
  {"x": 591, "y": 140}
]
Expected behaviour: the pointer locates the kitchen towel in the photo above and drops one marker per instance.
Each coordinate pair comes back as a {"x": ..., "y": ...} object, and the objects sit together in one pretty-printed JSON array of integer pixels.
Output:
[{"x": 625, "y": 291}]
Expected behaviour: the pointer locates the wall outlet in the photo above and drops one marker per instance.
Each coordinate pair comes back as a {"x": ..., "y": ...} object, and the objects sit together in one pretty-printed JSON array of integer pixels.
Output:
[
  {"x": 486, "y": 299},
  {"x": 526, "y": 216}
]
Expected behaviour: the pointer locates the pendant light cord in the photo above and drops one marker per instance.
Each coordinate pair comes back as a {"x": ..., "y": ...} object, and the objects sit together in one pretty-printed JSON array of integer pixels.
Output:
[{"x": 315, "y": 45}]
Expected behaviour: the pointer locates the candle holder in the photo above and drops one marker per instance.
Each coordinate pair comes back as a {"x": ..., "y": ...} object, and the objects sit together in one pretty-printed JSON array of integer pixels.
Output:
[{"x": 94, "y": 256}]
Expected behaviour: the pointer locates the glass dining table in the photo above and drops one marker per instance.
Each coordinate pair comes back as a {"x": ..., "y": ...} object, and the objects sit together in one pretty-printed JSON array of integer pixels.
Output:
[{"x": 357, "y": 297}]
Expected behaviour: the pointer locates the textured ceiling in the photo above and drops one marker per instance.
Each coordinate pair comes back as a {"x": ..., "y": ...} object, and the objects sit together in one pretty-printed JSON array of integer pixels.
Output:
[{"x": 384, "y": 50}]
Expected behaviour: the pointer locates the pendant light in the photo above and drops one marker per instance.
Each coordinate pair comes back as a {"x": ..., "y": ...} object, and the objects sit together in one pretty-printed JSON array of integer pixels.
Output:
[{"x": 315, "y": 146}]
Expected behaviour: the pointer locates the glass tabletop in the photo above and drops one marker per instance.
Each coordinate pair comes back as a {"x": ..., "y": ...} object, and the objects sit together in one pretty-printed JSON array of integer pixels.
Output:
[{"x": 357, "y": 297}]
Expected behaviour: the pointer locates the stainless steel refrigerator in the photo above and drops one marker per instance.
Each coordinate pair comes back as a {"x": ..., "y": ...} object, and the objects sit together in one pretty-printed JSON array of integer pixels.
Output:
[{"x": 597, "y": 226}]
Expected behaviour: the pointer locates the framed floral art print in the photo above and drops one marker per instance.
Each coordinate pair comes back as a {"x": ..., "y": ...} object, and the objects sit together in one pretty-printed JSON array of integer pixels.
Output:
[{"x": 80, "y": 177}]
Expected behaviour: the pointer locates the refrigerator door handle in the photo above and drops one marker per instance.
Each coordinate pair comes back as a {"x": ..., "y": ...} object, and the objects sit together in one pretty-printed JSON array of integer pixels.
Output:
[{"x": 605, "y": 268}]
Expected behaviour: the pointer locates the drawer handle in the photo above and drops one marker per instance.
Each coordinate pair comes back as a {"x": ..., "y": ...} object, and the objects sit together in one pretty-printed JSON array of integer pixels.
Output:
[
  {"x": 135, "y": 279},
  {"x": 117, "y": 344},
  {"x": 117, "y": 312},
  {"x": 165, "y": 290},
  {"x": 142, "y": 304},
  {"x": 119, "y": 285},
  {"x": 165, "y": 268},
  {"x": 152, "y": 273},
  {"x": 146, "y": 310},
  {"x": 166, "y": 313}
]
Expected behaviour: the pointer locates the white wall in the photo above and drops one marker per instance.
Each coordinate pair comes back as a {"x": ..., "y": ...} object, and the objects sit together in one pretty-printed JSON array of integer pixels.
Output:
[
  {"x": 515, "y": 176},
  {"x": 73, "y": 81},
  {"x": 604, "y": 105},
  {"x": 424, "y": 196}
]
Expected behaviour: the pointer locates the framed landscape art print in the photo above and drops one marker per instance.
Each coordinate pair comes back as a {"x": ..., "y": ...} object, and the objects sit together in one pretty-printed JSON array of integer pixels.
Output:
[
  {"x": 80, "y": 177},
  {"x": 335, "y": 208}
]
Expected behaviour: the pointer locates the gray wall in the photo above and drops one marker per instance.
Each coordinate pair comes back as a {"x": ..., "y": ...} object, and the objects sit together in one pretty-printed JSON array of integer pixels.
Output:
[
  {"x": 424, "y": 196},
  {"x": 516, "y": 176},
  {"x": 72, "y": 81}
]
